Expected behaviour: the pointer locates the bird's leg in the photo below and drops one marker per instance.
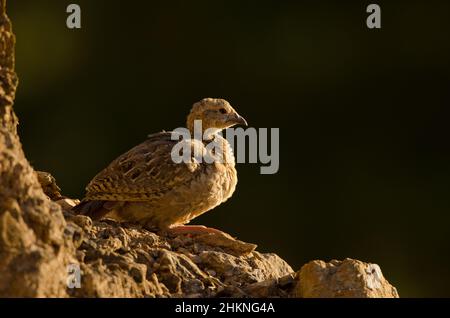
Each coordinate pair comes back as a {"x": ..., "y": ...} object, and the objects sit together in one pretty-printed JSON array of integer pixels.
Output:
[{"x": 192, "y": 229}]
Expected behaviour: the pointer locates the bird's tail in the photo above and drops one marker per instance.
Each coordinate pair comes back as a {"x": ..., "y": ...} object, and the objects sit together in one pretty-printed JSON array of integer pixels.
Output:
[{"x": 96, "y": 209}]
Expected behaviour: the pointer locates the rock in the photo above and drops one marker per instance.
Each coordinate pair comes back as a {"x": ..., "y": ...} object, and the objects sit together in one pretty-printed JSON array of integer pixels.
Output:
[
  {"x": 226, "y": 242},
  {"x": 67, "y": 204},
  {"x": 279, "y": 287},
  {"x": 347, "y": 278},
  {"x": 49, "y": 186},
  {"x": 125, "y": 260},
  {"x": 33, "y": 251}
]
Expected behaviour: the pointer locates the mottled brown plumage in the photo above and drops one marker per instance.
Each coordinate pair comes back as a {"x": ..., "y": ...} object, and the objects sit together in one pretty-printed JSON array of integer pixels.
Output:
[{"x": 145, "y": 185}]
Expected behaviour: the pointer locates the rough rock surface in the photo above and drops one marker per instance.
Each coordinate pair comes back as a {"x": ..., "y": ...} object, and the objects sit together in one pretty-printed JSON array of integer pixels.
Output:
[
  {"x": 33, "y": 252},
  {"x": 45, "y": 249},
  {"x": 348, "y": 278},
  {"x": 129, "y": 261},
  {"x": 125, "y": 260}
]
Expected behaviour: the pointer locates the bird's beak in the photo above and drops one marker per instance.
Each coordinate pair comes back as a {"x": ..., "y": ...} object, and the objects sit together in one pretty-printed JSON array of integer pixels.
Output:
[{"x": 237, "y": 119}]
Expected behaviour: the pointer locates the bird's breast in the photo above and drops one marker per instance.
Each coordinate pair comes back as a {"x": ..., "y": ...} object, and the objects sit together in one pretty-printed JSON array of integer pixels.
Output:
[{"x": 223, "y": 170}]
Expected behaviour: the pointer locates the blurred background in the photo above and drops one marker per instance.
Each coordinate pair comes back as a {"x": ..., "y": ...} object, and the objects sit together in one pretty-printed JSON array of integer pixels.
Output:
[{"x": 363, "y": 115}]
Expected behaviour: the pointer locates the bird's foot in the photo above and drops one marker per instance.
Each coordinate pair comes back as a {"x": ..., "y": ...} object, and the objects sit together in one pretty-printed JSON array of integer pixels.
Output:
[{"x": 193, "y": 230}]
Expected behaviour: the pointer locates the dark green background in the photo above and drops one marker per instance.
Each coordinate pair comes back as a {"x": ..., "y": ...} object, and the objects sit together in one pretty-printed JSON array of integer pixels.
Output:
[{"x": 363, "y": 115}]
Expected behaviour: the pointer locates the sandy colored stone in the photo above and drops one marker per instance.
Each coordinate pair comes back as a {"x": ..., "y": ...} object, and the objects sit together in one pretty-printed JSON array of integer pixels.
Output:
[
  {"x": 125, "y": 260},
  {"x": 67, "y": 203},
  {"x": 33, "y": 251},
  {"x": 227, "y": 242},
  {"x": 49, "y": 186},
  {"x": 347, "y": 278}
]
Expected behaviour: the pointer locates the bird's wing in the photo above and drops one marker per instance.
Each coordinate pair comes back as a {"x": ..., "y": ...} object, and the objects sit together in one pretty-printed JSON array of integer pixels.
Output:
[{"x": 144, "y": 172}]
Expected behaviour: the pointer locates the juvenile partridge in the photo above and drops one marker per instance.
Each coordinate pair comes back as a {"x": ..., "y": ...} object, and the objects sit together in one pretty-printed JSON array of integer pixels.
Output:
[{"x": 146, "y": 186}]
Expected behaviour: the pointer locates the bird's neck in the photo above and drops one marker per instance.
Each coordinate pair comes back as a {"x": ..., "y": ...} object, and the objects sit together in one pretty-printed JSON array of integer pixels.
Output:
[
  {"x": 211, "y": 133},
  {"x": 219, "y": 148},
  {"x": 202, "y": 133}
]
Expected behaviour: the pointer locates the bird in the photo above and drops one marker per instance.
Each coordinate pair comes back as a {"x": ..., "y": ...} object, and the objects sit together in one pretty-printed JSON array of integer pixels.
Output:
[{"x": 146, "y": 186}]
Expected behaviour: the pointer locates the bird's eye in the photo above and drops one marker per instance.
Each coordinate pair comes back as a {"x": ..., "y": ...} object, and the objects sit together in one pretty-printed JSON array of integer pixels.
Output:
[{"x": 223, "y": 111}]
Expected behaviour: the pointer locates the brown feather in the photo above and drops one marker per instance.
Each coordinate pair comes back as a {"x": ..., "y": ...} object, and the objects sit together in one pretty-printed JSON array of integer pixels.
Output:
[
  {"x": 145, "y": 185},
  {"x": 95, "y": 209}
]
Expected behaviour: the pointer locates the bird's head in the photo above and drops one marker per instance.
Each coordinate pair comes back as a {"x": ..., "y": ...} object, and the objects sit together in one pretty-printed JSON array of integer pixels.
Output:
[{"x": 214, "y": 113}]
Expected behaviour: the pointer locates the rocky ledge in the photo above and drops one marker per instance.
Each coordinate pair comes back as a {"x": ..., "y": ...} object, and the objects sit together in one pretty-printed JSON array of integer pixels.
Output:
[{"x": 111, "y": 259}]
